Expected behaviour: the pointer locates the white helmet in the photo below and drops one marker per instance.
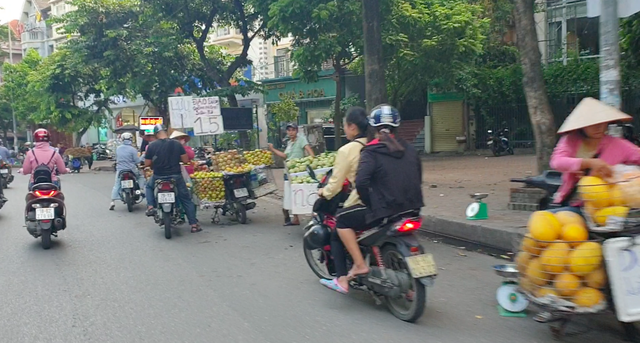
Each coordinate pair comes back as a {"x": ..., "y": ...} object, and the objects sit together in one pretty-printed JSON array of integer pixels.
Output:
[{"x": 126, "y": 136}]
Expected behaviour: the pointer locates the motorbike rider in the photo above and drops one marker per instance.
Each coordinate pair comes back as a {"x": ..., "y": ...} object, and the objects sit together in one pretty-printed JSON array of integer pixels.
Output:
[
  {"x": 5, "y": 154},
  {"x": 356, "y": 124},
  {"x": 164, "y": 156},
  {"x": 126, "y": 159},
  {"x": 388, "y": 181},
  {"x": 585, "y": 148},
  {"x": 43, "y": 153}
]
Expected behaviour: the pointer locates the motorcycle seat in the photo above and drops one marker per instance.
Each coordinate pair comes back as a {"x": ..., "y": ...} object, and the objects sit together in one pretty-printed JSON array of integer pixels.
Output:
[{"x": 44, "y": 187}]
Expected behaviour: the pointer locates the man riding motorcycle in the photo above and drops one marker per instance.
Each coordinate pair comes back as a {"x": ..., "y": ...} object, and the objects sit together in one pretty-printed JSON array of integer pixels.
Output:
[
  {"x": 126, "y": 159},
  {"x": 164, "y": 156},
  {"x": 43, "y": 154}
]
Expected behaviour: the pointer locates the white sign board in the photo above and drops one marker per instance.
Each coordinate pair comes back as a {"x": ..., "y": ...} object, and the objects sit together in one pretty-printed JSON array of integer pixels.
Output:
[
  {"x": 303, "y": 196},
  {"x": 207, "y": 116},
  {"x": 626, "y": 8},
  {"x": 623, "y": 268},
  {"x": 181, "y": 111}
]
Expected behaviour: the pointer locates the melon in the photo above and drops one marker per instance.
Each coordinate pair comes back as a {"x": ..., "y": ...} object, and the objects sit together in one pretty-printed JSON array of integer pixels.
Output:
[
  {"x": 595, "y": 191},
  {"x": 574, "y": 234},
  {"x": 567, "y": 217},
  {"x": 544, "y": 227},
  {"x": 554, "y": 259},
  {"x": 602, "y": 215},
  {"x": 588, "y": 297},
  {"x": 586, "y": 258},
  {"x": 567, "y": 284},
  {"x": 536, "y": 273},
  {"x": 530, "y": 245},
  {"x": 596, "y": 279}
]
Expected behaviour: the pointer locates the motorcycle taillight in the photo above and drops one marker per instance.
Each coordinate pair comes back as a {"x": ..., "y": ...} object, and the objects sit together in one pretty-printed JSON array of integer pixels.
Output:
[
  {"x": 166, "y": 186},
  {"x": 45, "y": 193},
  {"x": 125, "y": 176}
]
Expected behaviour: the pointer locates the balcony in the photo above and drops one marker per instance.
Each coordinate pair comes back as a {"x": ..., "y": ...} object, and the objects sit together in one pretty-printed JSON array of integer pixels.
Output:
[
  {"x": 282, "y": 66},
  {"x": 228, "y": 38}
]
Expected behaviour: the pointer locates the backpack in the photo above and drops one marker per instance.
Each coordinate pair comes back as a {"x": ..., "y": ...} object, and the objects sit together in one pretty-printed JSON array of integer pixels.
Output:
[
  {"x": 76, "y": 163},
  {"x": 42, "y": 173}
]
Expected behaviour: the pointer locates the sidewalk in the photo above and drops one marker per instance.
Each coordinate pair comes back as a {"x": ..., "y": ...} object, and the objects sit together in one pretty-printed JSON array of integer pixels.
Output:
[{"x": 448, "y": 182}]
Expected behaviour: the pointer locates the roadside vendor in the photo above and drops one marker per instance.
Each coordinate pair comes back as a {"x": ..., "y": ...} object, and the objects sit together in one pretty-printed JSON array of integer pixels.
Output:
[
  {"x": 586, "y": 149},
  {"x": 296, "y": 147},
  {"x": 184, "y": 138}
]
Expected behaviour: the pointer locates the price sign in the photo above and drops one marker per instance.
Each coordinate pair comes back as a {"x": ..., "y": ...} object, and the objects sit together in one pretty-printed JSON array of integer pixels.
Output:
[
  {"x": 207, "y": 116},
  {"x": 303, "y": 196},
  {"x": 147, "y": 123},
  {"x": 181, "y": 111}
]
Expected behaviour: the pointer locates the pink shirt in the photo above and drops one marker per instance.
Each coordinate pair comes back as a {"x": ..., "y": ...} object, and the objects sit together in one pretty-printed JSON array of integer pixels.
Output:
[
  {"x": 43, "y": 153},
  {"x": 612, "y": 150},
  {"x": 191, "y": 154}
]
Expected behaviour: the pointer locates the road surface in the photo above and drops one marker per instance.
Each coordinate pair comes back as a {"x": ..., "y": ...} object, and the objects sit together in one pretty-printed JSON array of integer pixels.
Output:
[{"x": 113, "y": 277}]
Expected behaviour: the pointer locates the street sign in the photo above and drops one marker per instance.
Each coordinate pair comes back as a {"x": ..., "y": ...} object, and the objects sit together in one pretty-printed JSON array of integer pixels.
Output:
[
  {"x": 181, "y": 112},
  {"x": 147, "y": 123},
  {"x": 207, "y": 116}
]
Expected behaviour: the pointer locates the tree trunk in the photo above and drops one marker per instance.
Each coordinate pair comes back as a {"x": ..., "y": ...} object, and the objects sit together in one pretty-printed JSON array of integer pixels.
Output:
[
  {"x": 375, "y": 86},
  {"x": 79, "y": 136},
  {"x": 535, "y": 90},
  {"x": 337, "y": 110}
]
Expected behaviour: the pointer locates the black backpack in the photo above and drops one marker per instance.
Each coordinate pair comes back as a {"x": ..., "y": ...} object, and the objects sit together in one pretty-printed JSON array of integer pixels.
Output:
[{"x": 42, "y": 173}]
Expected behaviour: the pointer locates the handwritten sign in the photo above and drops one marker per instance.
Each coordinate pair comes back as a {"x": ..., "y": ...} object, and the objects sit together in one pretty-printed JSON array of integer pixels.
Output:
[
  {"x": 623, "y": 268},
  {"x": 303, "y": 196},
  {"x": 181, "y": 111},
  {"x": 207, "y": 116}
]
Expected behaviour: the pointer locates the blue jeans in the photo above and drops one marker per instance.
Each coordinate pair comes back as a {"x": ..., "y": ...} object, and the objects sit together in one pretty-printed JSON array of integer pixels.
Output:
[
  {"x": 115, "y": 192},
  {"x": 183, "y": 194}
]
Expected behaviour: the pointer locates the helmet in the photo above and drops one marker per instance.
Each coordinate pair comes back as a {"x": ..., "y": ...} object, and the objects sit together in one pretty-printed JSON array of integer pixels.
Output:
[
  {"x": 317, "y": 237},
  {"x": 126, "y": 136},
  {"x": 41, "y": 135},
  {"x": 158, "y": 128},
  {"x": 384, "y": 115}
]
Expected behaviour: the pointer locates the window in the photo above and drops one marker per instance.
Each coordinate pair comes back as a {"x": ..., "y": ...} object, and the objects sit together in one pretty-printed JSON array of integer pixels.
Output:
[
  {"x": 570, "y": 32},
  {"x": 59, "y": 9},
  {"x": 223, "y": 31}
]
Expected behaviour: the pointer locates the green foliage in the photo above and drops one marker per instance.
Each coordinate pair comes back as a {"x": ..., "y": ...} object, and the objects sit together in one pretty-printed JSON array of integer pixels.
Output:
[
  {"x": 285, "y": 111},
  {"x": 16, "y": 86},
  {"x": 346, "y": 104},
  {"x": 579, "y": 76}
]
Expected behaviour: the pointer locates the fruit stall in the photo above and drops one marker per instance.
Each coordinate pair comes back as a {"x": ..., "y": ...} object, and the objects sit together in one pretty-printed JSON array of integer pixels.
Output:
[
  {"x": 300, "y": 190},
  {"x": 570, "y": 264}
]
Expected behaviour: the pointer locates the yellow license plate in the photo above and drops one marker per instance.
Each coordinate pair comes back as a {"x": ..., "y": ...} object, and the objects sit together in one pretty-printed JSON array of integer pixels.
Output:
[{"x": 421, "y": 265}]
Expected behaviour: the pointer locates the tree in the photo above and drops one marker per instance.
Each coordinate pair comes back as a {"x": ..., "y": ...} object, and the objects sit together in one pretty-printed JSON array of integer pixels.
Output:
[
  {"x": 544, "y": 129},
  {"x": 322, "y": 31},
  {"x": 16, "y": 86},
  {"x": 375, "y": 85}
]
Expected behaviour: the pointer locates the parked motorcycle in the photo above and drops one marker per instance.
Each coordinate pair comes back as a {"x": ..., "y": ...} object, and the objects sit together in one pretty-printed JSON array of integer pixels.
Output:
[
  {"x": 499, "y": 143},
  {"x": 45, "y": 212},
  {"x": 130, "y": 191},
  {"x": 102, "y": 153},
  {"x": 549, "y": 181},
  {"x": 237, "y": 199},
  {"x": 6, "y": 175},
  {"x": 400, "y": 269}
]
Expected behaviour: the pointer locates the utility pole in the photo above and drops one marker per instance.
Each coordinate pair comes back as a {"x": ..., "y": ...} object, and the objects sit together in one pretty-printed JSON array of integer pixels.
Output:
[
  {"x": 610, "y": 54},
  {"x": 375, "y": 86}
]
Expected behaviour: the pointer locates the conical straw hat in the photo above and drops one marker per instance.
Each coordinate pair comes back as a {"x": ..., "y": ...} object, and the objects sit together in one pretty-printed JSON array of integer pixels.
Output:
[
  {"x": 591, "y": 112},
  {"x": 177, "y": 134}
]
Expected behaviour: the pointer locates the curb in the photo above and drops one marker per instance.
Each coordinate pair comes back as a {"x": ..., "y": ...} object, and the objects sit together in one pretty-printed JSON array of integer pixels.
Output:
[{"x": 473, "y": 233}]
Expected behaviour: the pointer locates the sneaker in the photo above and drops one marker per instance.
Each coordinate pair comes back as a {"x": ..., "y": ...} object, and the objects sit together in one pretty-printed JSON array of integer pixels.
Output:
[
  {"x": 151, "y": 212},
  {"x": 112, "y": 206}
]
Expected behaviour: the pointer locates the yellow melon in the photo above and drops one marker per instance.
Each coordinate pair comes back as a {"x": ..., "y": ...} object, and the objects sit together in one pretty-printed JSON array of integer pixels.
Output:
[
  {"x": 544, "y": 291},
  {"x": 588, "y": 297},
  {"x": 522, "y": 261},
  {"x": 536, "y": 273},
  {"x": 574, "y": 234},
  {"x": 601, "y": 216},
  {"x": 544, "y": 227},
  {"x": 586, "y": 258},
  {"x": 596, "y": 279},
  {"x": 595, "y": 191},
  {"x": 567, "y": 284},
  {"x": 526, "y": 285},
  {"x": 617, "y": 195},
  {"x": 554, "y": 259},
  {"x": 567, "y": 217},
  {"x": 530, "y": 245}
]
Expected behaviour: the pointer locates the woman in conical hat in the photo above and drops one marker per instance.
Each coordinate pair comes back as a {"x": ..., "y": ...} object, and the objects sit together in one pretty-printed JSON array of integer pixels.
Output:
[
  {"x": 184, "y": 138},
  {"x": 585, "y": 146}
]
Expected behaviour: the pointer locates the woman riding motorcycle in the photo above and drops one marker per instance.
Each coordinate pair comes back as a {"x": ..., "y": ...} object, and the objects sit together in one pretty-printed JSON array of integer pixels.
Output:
[
  {"x": 345, "y": 167},
  {"x": 43, "y": 153},
  {"x": 586, "y": 149},
  {"x": 388, "y": 181}
]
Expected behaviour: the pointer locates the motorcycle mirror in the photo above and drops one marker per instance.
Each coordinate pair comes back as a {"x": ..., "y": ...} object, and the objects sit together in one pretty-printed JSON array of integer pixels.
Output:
[{"x": 312, "y": 174}]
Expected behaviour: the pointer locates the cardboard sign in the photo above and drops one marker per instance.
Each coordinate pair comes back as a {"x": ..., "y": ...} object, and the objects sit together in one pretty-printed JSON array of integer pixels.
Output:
[
  {"x": 181, "y": 112},
  {"x": 303, "y": 196},
  {"x": 207, "y": 119}
]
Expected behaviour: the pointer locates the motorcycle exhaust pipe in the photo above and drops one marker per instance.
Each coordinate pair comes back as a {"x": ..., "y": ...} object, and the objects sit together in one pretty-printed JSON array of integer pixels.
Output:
[
  {"x": 58, "y": 224},
  {"x": 393, "y": 285}
]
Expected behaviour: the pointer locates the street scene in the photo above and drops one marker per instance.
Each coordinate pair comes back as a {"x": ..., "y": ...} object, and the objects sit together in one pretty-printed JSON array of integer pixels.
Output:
[{"x": 312, "y": 170}]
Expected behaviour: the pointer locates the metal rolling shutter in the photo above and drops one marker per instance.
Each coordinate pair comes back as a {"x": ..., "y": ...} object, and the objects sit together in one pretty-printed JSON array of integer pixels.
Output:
[{"x": 447, "y": 124}]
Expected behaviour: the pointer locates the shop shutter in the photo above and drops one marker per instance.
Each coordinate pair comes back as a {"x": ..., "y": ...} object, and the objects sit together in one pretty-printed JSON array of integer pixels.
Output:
[{"x": 447, "y": 124}]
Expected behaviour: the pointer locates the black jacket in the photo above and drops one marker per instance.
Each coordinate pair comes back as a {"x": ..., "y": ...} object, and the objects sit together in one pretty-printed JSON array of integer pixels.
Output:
[{"x": 389, "y": 182}]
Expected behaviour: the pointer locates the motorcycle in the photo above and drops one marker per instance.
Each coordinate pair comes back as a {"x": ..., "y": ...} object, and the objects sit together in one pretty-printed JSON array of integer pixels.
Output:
[
  {"x": 6, "y": 175},
  {"x": 549, "y": 181},
  {"x": 499, "y": 143},
  {"x": 130, "y": 191},
  {"x": 237, "y": 198},
  {"x": 45, "y": 212},
  {"x": 167, "y": 213},
  {"x": 400, "y": 268},
  {"x": 102, "y": 153}
]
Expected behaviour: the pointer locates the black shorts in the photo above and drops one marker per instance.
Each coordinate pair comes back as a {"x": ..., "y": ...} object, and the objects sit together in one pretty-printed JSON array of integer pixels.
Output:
[{"x": 353, "y": 217}]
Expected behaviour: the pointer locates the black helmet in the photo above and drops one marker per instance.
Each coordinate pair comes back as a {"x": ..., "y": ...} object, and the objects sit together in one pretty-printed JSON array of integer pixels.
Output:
[
  {"x": 158, "y": 128},
  {"x": 317, "y": 237}
]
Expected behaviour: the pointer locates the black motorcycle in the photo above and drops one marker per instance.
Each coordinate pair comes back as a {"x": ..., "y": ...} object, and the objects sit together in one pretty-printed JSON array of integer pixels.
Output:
[
  {"x": 130, "y": 191},
  {"x": 45, "y": 211},
  {"x": 549, "y": 181},
  {"x": 167, "y": 210},
  {"x": 499, "y": 143},
  {"x": 6, "y": 175},
  {"x": 400, "y": 269},
  {"x": 238, "y": 198},
  {"x": 101, "y": 151}
]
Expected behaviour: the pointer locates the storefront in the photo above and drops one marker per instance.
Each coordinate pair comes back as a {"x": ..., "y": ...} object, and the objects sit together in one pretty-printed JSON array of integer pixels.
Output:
[{"x": 445, "y": 126}]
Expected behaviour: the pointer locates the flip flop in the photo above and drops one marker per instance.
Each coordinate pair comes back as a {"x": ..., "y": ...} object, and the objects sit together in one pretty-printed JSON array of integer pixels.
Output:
[
  {"x": 334, "y": 285},
  {"x": 351, "y": 277},
  {"x": 196, "y": 229},
  {"x": 291, "y": 224}
]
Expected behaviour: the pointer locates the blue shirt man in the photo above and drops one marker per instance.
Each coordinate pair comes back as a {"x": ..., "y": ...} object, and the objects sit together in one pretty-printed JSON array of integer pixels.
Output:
[{"x": 126, "y": 159}]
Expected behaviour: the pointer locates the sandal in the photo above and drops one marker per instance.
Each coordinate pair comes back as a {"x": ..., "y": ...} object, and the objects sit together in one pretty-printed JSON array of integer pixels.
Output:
[
  {"x": 196, "y": 228},
  {"x": 291, "y": 224},
  {"x": 334, "y": 285}
]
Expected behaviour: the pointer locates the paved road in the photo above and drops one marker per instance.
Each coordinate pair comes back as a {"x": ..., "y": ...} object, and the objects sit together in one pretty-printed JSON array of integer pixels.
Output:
[{"x": 113, "y": 277}]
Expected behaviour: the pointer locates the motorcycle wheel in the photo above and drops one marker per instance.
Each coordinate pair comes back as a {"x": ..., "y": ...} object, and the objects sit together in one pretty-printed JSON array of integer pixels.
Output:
[
  {"x": 46, "y": 239},
  {"x": 241, "y": 213},
  {"x": 317, "y": 261},
  {"x": 393, "y": 259},
  {"x": 166, "y": 217},
  {"x": 495, "y": 151},
  {"x": 129, "y": 200},
  {"x": 510, "y": 151},
  {"x": 3, "y": 183}
]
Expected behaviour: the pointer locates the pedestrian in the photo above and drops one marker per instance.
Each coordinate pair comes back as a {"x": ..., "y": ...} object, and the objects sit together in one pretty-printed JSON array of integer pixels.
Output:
[
  {"x": 296, "y": 147},
  {"x": 145, "y": 140},
  {"x": 90, "y": 157}
]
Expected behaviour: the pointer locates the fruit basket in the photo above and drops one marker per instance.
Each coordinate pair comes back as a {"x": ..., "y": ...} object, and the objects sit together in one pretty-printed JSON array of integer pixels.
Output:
[
  {"x": 612, "y": 205},
  {"x": 560, "y": 267},
  {"x": 208, "y": 187}
]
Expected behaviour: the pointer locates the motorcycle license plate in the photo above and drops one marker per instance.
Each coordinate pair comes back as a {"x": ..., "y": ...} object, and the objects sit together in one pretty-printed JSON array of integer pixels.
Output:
[
  {"x": 421, "y": 265},
  {"x": 127, "y": 184},
  {"x": 4, "y": 171},
  {"x": 166, "y": 198},
  {"x": 241, "y": 192},
  {"x": 45, "y": 213}
]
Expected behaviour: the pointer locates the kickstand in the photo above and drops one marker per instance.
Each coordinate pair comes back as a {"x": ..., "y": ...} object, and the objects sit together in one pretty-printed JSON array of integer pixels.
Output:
[{"x": 216, "y": 216}]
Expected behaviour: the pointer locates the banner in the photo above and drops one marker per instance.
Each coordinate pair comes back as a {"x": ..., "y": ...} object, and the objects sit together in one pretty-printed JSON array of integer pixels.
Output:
[
  {"x": 207, "y": 117},
  {"x": 181, "y": 112},
  {"x": 303, "y": 196}
]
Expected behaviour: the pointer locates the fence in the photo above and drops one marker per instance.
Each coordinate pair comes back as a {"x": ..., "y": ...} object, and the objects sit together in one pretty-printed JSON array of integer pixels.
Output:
[{"x": 516, "y": 117}]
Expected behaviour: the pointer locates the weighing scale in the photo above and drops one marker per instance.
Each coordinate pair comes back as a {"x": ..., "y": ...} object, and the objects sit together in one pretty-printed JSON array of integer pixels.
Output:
[
  {"x": 478, "y": 210},
  {"x": 511, "y": 303}
]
